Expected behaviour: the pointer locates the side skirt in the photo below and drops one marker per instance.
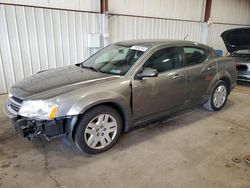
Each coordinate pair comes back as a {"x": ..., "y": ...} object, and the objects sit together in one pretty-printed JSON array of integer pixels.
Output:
[{"x": 165, "y": 115}]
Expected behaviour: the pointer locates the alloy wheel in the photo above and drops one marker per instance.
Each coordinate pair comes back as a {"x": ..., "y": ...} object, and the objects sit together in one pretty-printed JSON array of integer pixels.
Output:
[
  {"x": 219, "y": 96},
  {"x": 100, "y": 131}
]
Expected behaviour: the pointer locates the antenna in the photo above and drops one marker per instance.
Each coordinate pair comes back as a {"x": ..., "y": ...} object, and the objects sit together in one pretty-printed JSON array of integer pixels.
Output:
[{"x": 186, "y": 37}]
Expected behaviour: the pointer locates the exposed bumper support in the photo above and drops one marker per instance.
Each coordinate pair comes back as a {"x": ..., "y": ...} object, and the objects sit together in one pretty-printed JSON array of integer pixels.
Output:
[{"x": 30, "y": 128}]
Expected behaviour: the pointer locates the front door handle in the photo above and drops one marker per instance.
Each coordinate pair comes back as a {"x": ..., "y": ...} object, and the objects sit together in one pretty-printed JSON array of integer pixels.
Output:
[
  {"x": 210, "y": 68},
  {"x": 176, "y": 76}
]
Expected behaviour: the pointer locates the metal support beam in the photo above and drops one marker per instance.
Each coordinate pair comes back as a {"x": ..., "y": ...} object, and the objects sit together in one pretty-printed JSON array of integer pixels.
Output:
[
  {"x": 104, "y": 6},
  {"x": 104, "y": 22},
  {"x": 207, "y": 10}
]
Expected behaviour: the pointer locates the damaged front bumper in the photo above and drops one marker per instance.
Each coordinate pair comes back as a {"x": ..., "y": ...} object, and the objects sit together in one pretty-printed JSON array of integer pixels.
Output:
[
  {"x": 30, "y": 128},
  {"x": 33, "y": 128}
]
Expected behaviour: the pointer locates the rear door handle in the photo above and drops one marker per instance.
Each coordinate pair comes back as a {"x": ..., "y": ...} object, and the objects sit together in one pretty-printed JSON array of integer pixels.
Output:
[
  {"x": 210, "y": 68},
  {"x": 176, "y": 76}
]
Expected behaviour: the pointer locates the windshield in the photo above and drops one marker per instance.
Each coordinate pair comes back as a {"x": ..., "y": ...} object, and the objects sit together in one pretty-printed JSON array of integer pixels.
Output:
[
  {"x": 114, "y": 59},
  {"x": 242, "y": 52}
]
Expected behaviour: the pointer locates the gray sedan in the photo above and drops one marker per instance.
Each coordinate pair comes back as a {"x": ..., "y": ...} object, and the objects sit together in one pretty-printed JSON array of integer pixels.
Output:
[{"x": 123, "y": 85}]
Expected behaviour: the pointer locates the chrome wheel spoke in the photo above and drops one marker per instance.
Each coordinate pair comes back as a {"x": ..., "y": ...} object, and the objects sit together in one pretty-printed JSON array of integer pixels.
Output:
[
  {"x": 90, "y": 131},
  {"x": 95, "y": 143},
  {"x": 111, "y": 130},
  {"x": 93, "y": 125},
  {"x": 219, "y": 88},
  {"x": 103, "y": 142},
  {"x": 92, "y": 141},
  {"x": 105, "y": 120},
  {"x": 111, "y": 125},
  {"x": 107, "y": 138},
  {"x": 100, "y": 119}
]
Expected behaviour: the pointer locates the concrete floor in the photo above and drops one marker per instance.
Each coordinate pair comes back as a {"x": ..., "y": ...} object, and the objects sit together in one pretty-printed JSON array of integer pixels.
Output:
[{"x": 192, "y": 149}]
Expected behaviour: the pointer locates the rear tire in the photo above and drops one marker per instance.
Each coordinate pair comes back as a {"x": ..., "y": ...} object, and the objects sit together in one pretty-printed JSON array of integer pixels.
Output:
[
  {"x": 98, "y": 130},
  {"x": 218, "y": 97}
]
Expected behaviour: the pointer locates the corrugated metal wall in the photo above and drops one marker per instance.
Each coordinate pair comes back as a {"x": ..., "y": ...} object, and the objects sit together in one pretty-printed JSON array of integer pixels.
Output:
[
  {"x": 34, "y": 39},
  {"x": 231, "y": 11},
  {"x": 132, "y": 27},
  {"x": 175, "y": 9},
  {"x": 128, "y": 27}
]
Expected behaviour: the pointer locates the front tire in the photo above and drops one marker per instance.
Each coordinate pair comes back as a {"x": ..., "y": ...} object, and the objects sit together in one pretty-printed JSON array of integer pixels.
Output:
[
  {"x": 218, "y": 97},
  {"x": 98, "y": 130}
]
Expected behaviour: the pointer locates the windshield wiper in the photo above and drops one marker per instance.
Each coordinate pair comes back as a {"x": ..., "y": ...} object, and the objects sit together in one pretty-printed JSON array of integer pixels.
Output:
[
  {"x": 91, "y": 68},
  {"x": 97, "y": 70}
]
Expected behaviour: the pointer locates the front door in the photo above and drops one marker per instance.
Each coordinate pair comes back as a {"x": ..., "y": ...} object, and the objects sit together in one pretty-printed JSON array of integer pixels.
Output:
[{"x": 157, "y": 95}]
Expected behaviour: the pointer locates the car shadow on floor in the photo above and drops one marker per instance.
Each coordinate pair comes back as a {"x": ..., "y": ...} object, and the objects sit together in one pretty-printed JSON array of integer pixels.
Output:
[
  {"x": 241, "y": 83},
  {"x": 63, "y": 147},
  {"x": 60, "y": 153}
]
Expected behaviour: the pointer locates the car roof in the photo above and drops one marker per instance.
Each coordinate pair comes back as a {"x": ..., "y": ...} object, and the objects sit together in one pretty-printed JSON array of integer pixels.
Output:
[{"x": 156, "y": 42}]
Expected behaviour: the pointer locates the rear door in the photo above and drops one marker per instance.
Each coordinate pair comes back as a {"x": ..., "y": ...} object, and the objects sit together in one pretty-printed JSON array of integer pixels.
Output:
[{"x": 200, "y": 71}]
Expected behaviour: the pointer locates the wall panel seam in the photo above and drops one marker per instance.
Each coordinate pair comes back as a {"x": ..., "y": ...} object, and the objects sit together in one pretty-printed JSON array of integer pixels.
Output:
[
  {"x": 4, "y": 76},
  {"x": 37, "y": 41},
  {"x": 18, "y": 34},
  {"x": 11, "y": 56},
  {"x": 26, "y": 26}
]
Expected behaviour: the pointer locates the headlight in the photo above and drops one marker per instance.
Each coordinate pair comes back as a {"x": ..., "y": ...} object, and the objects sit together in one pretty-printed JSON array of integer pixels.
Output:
[
  {"x": 38, "y": 109},
  {"x": 10, "y": 95}
]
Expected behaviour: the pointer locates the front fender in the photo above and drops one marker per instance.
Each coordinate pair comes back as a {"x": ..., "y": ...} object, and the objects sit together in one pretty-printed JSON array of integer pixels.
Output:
[{"x": 89, "y": 101}]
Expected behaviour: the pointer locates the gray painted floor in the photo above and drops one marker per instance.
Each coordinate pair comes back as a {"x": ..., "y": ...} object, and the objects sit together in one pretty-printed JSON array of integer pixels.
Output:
[{"x": 192, "y": 149}]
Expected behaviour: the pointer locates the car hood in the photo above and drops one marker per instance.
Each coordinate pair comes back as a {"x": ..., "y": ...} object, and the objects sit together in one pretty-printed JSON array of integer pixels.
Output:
[
  {"x": 236, "y": 39},
  {"x": 53, "y": 82}
]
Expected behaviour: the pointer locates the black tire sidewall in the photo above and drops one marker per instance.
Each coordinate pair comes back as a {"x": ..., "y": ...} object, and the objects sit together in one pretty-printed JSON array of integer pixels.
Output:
[
  {"x": 212, "y": 96},
  {"x": 86, "y": 118}
]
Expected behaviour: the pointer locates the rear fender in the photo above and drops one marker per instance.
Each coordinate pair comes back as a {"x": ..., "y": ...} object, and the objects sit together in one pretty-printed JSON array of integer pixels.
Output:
[{"x": 222, "y": 75}]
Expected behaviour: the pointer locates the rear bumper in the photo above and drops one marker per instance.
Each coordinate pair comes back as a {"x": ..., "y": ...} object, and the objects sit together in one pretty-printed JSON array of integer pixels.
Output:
[{"x": 244, "y": 78}]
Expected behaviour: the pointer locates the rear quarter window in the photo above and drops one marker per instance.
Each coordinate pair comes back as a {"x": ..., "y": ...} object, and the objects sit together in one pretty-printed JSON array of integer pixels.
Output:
[{"x": 194, "y": 55}]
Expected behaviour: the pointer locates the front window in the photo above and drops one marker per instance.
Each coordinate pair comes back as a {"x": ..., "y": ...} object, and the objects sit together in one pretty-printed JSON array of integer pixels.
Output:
[{"x": 114, "y": 59}]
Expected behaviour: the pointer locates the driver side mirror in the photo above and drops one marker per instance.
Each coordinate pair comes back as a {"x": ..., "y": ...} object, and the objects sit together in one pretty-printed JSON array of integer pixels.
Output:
[{"x": 147, "y": 73}]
